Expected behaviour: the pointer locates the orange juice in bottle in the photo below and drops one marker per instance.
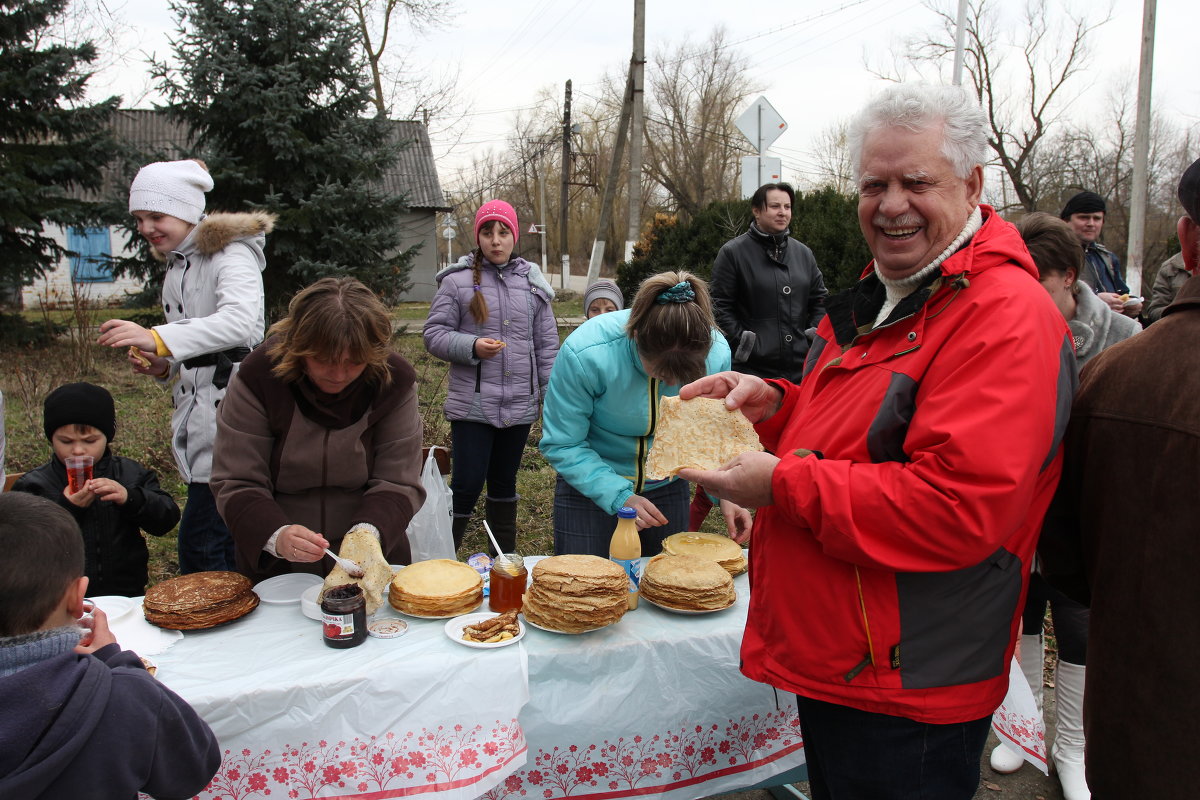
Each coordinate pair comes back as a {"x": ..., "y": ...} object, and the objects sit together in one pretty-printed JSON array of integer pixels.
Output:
[{"x": 625, "y": 548}]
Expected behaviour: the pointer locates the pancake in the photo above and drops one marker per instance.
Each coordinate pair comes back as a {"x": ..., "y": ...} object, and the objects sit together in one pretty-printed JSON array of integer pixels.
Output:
[
  {"x": 699, "y": 433},
  {"x": 361, "y": 547},
  {"x": 688, "y": 583},
  {"x": 436, "y": 588},
  {"x": 199, "y": 600},
  {"x": 712, "y": 546},
  {"x": 576, "y": 593}
]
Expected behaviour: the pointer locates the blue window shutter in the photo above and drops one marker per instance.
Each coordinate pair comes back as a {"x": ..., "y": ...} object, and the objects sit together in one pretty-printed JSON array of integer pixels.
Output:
[{"x": 93, "y": 249}]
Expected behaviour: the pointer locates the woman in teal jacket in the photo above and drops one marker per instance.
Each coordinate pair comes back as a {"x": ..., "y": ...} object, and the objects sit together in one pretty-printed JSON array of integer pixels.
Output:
[{"x": 601, "y": 408}]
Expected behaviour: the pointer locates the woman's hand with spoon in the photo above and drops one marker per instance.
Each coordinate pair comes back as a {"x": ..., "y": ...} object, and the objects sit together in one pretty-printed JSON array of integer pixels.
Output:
[{"x": 298, "y": 543}]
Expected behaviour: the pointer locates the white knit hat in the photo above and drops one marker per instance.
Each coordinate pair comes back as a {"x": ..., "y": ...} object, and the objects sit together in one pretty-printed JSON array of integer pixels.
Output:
[{"x": 171, "y": 187}]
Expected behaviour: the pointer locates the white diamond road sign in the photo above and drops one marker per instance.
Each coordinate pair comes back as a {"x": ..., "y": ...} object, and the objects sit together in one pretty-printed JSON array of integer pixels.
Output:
[{"x": 761, "y": 124}]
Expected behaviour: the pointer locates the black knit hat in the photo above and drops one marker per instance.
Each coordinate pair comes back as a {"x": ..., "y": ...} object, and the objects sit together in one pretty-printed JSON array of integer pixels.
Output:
[
  {"x": 1083, "y": 203},
  {"x": 80, "y": 404},
  {"x": 1189, "y": 191}
]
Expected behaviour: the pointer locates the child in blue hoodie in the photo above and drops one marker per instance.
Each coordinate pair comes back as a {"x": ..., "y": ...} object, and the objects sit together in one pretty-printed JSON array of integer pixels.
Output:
[{"x": 82, "y": 718}]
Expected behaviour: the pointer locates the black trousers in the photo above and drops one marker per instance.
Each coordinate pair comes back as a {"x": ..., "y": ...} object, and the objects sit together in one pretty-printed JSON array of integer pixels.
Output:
[{"x": 859, "y": 755}]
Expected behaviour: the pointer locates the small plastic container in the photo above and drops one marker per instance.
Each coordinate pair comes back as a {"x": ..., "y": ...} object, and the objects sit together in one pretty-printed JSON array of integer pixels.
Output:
[
  {"x": 344, "y": 616},
  {"x": 482, "y": 563}
]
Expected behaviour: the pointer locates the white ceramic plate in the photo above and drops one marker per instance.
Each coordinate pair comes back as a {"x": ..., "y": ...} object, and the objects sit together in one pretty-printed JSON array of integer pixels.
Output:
[
  {"x": 115, "y": 606},
  {"x": 454, "y": 629},
  {"x": 431, "y": 616},
  {"x": 674, "y": 610},
  {"x": 287, "y": 588},
  {"x": 551, "y": 630}
]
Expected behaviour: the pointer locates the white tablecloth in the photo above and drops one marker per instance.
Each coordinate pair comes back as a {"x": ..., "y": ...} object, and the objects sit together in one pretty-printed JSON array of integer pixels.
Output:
[
  {"x": 389, "y": 718},
  {"x": 652, "y": 707}
]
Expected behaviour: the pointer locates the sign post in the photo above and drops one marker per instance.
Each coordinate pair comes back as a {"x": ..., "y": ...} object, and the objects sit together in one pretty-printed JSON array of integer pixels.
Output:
[
  {"x": 762, "y": 125},
  {"x": 449, "y": 232}
]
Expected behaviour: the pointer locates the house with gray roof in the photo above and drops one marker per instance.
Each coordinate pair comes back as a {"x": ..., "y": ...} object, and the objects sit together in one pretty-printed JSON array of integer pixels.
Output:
[{"x": 88, "y": 276}]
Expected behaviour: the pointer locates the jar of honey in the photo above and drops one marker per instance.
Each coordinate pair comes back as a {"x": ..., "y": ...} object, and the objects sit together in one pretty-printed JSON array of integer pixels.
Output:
[{"x": 507, "y": 579}]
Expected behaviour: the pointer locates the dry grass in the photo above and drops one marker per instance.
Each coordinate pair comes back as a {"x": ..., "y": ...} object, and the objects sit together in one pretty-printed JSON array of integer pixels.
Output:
[{"x": 144, "y": 413}]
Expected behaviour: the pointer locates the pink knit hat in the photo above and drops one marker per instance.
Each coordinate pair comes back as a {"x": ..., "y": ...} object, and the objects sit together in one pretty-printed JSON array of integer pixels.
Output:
[{"x": 497, "y": 209}]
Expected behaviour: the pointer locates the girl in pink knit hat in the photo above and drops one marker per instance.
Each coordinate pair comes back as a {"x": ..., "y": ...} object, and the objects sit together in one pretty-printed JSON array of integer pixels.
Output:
[{"x": 491, "y": 319}]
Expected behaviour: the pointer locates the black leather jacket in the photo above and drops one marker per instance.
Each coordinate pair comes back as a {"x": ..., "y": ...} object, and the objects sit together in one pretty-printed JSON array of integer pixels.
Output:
[
  {"x": 768, "y": 297},
  {"x": 115, "y": 553}
]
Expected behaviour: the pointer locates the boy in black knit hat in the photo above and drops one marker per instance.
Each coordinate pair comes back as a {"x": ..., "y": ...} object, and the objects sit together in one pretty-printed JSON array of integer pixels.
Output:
[{"x": 121, "y": 499}]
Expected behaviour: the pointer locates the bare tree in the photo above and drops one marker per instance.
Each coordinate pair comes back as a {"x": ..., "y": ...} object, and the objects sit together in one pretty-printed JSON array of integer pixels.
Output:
[
  {"x": 1023, "y": 101},
  {"x": 693, "y": 150},
  {"x": 835, "y": 166}
]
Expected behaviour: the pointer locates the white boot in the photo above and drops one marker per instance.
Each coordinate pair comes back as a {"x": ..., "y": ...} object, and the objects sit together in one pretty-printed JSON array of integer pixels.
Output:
[
  {"x": 1067, "y": 751},
  {"x": 1005, "y": 758}
]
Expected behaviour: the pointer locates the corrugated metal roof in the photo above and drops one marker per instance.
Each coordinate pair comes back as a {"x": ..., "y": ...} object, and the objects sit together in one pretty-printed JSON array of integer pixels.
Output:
[{"x": 414, "y": 176}]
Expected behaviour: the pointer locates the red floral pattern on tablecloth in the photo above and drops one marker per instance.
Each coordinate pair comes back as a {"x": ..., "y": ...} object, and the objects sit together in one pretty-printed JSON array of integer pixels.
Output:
[
  {"x": 660, "y": 761},
  {"x": 392, "y": 765}
]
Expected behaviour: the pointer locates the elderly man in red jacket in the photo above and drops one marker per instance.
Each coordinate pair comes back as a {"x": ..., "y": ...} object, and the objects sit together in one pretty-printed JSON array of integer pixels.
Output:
[{"x": 908, "y": 472}]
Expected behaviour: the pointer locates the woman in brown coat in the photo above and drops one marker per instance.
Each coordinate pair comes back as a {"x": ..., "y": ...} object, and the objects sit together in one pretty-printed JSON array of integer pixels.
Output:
[{"x": 318, "y": 434}]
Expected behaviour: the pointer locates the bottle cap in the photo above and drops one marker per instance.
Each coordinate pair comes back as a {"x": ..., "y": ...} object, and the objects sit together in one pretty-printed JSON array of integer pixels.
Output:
[{"x": 626, "y": 512}]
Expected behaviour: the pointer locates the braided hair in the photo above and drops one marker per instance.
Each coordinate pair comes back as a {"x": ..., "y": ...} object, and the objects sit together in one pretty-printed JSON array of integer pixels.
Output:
[{"x": 479, "y": 306}]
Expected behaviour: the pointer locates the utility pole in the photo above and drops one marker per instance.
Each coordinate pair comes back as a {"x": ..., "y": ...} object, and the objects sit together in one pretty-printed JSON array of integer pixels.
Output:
[
  {"x": 610, "y": 184},
  {"x": 1141, "y": 154},
  {"x": 542, "y": 214},
  {"x": 960, "y": 36},
  {"x": 637, "y": 70},
  {"x": 566, "y": 185}
]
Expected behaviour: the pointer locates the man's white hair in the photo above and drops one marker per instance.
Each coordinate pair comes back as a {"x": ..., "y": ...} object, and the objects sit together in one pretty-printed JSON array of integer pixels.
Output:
[{"x": 919, "y": 107}]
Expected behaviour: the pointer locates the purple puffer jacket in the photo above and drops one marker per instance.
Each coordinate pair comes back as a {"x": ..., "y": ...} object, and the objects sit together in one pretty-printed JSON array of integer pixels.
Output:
[{"x": 508, "y": 389}]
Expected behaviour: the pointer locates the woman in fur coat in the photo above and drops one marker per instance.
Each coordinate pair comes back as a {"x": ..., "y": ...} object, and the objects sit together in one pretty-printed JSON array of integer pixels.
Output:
[{"x": 213, "y": 302}]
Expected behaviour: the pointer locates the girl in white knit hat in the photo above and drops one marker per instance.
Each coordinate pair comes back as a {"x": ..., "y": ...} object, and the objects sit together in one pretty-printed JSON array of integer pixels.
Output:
[{"x": 213, "y": 304}]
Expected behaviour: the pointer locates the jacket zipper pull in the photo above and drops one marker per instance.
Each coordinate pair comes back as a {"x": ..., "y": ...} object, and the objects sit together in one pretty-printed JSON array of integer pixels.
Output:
[{"x": 852, "y": 674}]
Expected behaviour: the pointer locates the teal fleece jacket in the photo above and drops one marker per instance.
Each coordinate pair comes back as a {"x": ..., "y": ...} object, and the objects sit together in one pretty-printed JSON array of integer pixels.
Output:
[{"x": 601, "y": 407}]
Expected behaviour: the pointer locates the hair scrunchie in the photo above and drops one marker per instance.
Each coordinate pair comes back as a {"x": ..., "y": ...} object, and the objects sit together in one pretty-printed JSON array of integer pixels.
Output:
[
  {"x": 475, "y": 286},
  {"x": 681, "y": 292}
]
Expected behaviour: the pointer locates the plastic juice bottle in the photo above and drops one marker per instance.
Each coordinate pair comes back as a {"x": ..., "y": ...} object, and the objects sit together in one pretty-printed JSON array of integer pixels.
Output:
[{"x": 625, "y": 548}]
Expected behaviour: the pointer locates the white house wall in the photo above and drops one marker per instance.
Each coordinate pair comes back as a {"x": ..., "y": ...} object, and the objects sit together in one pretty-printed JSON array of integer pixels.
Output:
[{"x": 54, "y": 287}]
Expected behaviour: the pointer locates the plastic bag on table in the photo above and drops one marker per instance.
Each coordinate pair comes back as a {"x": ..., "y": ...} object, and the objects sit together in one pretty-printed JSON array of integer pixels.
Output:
[{"x": 429, "y": 531}]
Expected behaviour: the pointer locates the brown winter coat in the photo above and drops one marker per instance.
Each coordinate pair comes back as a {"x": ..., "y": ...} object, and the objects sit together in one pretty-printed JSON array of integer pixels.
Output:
[
  {"x": 1123, "y": 537},
  {"x": 281, "y": 460}
]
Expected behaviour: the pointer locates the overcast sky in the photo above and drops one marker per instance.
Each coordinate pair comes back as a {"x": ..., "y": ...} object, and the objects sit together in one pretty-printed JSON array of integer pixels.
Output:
[{"x": 809, "y": 57}]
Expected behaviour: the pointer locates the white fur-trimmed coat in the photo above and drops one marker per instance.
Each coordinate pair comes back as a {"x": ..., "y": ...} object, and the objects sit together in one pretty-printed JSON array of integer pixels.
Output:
[{"x": 213, "y": 300}]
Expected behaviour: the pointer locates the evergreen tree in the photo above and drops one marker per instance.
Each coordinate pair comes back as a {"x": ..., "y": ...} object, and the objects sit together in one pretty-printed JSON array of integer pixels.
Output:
[
  {"x": 825, "y": 220},
  {"x": 52, "y": 147},
  {"x": 275, "y": 94}
]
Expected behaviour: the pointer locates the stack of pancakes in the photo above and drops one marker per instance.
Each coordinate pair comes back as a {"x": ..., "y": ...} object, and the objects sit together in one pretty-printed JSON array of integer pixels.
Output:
[
  {"x": 576, "y": 593},
  {"x": 439, "y": 587},
  {"x": 687, "y": 583},
  {"x": 199, "y": 600},
  {"x": 712, "y": 546}
]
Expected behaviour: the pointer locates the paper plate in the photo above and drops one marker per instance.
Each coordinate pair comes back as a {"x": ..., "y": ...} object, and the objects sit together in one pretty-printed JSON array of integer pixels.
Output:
[
  {"x": 674, "y": 610},
  {"x": 115, "y": 606},
  {"x": 454, "y": 629},
  {"x": 283, "y": 589}
]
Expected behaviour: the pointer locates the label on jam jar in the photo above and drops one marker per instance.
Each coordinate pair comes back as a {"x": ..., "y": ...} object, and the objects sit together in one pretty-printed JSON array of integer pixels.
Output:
[{"x": 338, "y": 627}]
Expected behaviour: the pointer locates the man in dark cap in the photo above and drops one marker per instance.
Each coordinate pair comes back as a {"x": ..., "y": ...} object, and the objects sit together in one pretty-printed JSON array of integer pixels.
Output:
[
  {"x": 1101, "y": 268},
  {"x": 1130, "y": 550}
]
